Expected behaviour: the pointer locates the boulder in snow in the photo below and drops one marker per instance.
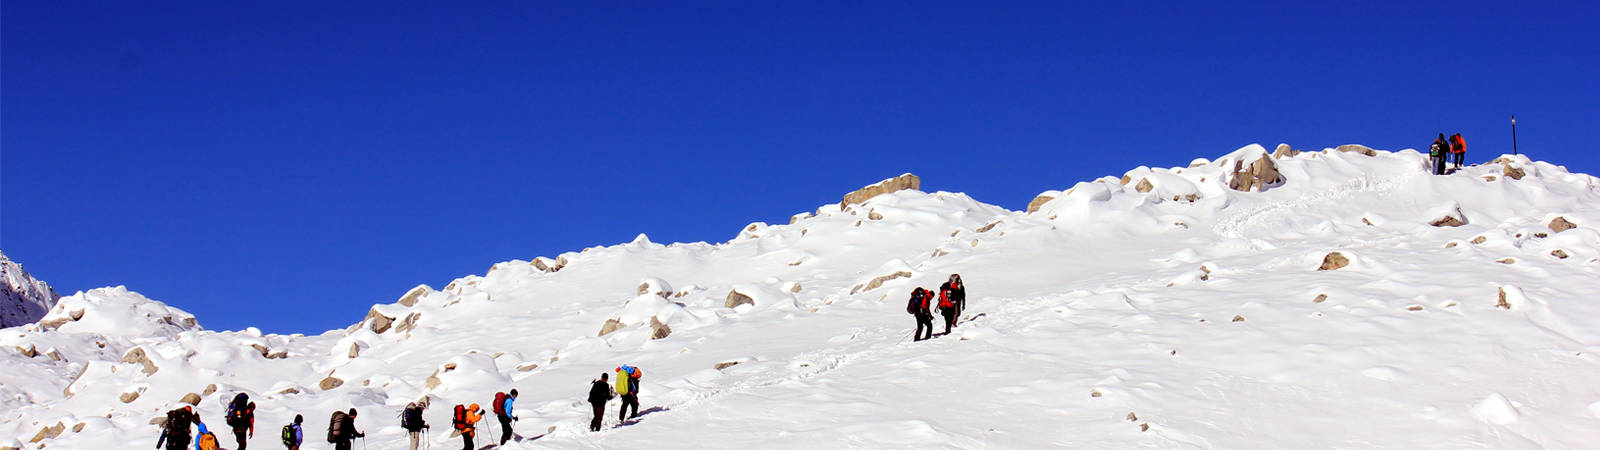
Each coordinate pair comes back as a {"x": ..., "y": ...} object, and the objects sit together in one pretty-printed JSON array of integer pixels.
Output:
[
  {"x": 191, "y": 398},
  {"x": 1284, "y": 151},
  {"x": 879, "y": 281},
  {"x": 414, "y": 295},
  {"x": 138, "y": 356},
  {"x": 1250, "y": 169},
  {"x": 1560, "y": 224},
  {"x": 1334, "y": 261},
  {"x": 610, "y": 326},
  {"x": 331, "y": 382},
  {"x": 379, "y": 322},
  {"x": 1041, "y": 200},
  {"x": 658, "y": 329},
  {"x": 735, "y": 298}
]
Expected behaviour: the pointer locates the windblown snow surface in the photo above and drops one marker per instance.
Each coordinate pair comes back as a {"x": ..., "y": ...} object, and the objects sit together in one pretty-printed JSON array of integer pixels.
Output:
[
  {"x": 1108, "y": 318},
  {"x": 25, "y": 298}
]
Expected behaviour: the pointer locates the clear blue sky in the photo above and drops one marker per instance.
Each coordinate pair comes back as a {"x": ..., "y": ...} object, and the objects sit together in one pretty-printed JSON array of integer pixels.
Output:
[{"x": 285, "y": 165}]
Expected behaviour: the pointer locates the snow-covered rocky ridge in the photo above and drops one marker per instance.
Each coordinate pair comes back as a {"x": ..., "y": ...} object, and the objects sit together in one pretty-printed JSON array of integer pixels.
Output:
[
  {"x": 26, "y": 299},
  {"x": 1164, "y": 308}
]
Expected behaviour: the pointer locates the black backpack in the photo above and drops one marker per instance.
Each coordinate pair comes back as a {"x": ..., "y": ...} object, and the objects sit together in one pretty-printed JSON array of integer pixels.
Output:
[
  {"x": 178, "y": 422},
  {"x": 914, "y": 307},
  {"x": 411, "y": 418},
  {"x": 238, "y": 415}
]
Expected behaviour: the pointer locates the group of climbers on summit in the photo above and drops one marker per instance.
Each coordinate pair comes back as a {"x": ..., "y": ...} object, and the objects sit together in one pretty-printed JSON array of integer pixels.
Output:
[
  {"x": 1444, "y": 149},
  {"x": 952, "y": 301}
]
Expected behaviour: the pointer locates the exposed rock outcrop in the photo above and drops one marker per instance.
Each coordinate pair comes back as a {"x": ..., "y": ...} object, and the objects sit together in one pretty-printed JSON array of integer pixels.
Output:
[
  {"x": 1039, "y": 202},
  {"x": 735, "y": 298},
  {"x": 191, "y": 398},
  {"x": 659, "y": 329},
  {"x": 1253, "y": 175},
  {"x": 380, "y": 322},
  {"x": 896, "y": 184},
  {"x": 414, "y": 295},
  {"x": 879, "y": 281},
  {"x": 1284, "y": 151},
  {"x": 332, "y": 382},
  {"x": 1334, "y": 261},
  {"x": 1357, "y": 148},
  {"x": 1560, "y": 224},
  {"x": 610, "y": 326},
  {"x": 138, "y": 356}
]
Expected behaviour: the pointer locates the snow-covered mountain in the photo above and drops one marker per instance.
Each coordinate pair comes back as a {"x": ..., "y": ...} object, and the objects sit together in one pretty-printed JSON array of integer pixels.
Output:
[
  {"x": 1336, "y": 298},
  {"x": 26, "y": 299}
]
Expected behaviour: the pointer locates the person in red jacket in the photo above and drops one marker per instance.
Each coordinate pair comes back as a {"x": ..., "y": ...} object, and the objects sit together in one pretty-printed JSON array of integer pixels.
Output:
[
  {"x": 952, "y": 300},
  {"x": 1458, "y": 149}
]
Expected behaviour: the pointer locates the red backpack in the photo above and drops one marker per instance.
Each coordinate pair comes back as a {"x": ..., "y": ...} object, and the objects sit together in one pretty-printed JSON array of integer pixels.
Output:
[
  {"x": 460, "y": 420},
  {"x": 500, "y": 403},
  {"x": 919, "y": 301}
]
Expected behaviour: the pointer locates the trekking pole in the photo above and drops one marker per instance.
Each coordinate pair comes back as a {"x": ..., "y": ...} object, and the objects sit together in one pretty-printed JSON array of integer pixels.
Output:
[{"x": 1513, "y": 134}]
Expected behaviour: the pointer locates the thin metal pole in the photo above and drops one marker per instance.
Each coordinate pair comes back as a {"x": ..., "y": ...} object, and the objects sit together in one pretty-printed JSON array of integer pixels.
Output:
[{"x": 1513, "y": 134}]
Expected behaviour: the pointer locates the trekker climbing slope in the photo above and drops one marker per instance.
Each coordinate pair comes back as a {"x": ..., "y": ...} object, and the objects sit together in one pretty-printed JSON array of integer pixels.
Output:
[
  {"x": 411, "y": 421},
  {"x": 206, "y": 440},
  {"x": 628, "y": 387},
  {"x": 502, "y": 411},
  {"x": 466, "y": 422},
  {"x": 241, "y": 416},
  {"x": 1458, "y": 148},
  {"x": 175, "y": 434},
  {"x": 918, "y": 307},
  {"x": 952, "y": 301},
  {"x": 342, "y": 429},
  {"x": 293, "y": 436},
  {"x": 600, "y": 392}
]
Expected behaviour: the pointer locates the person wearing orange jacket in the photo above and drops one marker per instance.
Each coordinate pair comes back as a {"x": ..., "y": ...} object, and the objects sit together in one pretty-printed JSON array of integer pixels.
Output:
[
  {"x": 466, "y": 421},
  {"x": 1458, "y": 149}
]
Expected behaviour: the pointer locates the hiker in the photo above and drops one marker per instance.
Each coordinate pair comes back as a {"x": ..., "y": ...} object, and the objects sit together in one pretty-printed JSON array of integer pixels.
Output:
[
  {"x": 175, "y": 434},
  {"x": 206, "y": 440},
  {"x": 342, "y": 429},
  {"x": 599, "y": 393},
  {"x": 1458, "y": 147},
  {"x": 466, "y": 421},
  {"x": 292, "y": 434},
  {"x": 952, "y": 300},
  {"x": 1437, "y": 153},
  {"x": 628, "y": 387},
  {"x": 411, "y": 421},
  {"x": 241, "y": 417},
  {"x": 919, "y": 307},
  {"x": 502, "y": 411}
]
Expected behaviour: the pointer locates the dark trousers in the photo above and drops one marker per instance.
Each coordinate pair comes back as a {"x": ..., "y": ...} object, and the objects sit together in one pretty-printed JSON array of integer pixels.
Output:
[
  {"x": 599, "y": 413},
  {"x": 628, "y": 400},
  {"x": 341, "y": 444},
  {"x": 238, "y": 435},
  {"x": 1459, "y": 156},
  {"x": 924, "y": 322},
  {"x": 466, "y": 441},
  {"x": 178, "y": 443},
  {"x": 505, "y": 428},
  {"x": 1438, "y": 164},
  {"x": 950, "y": 316}
]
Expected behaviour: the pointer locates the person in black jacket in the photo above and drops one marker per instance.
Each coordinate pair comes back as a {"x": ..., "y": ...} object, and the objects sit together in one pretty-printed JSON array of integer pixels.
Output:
[
  {"x": 1439, "y": 151},
  {"x": 918, "y": 307},
  {"x": 175, "y": 433},
  {"x": 952, "y": 301},
  {"x": 599, "y": 393}
]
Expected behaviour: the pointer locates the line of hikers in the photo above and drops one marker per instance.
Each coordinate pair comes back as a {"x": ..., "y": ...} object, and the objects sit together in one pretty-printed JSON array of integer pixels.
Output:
[
  {"x": 1444, "y": 149},
  {"x": 952, "y": 301},
  {"x": 240, "y": 416}
]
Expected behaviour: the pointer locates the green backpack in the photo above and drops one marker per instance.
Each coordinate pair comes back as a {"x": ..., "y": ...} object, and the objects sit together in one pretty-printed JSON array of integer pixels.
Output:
[{"x": 288, "y": 435}]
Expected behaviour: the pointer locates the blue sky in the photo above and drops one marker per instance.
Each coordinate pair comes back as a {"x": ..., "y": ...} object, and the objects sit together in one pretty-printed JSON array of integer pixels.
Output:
[{"x": 286, "y": 165}]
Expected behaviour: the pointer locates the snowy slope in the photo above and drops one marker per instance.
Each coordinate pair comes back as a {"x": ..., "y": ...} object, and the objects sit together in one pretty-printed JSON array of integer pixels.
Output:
[
  {"x": 1177, "y": 312},
  {"x": 25, "y": 299}
]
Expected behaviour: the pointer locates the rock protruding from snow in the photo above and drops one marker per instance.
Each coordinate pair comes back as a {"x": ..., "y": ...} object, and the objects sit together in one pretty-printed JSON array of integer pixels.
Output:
[
  {"x": 1560, "y": 224},
  {"x": 1284, "y": 151},
  {"x": 1334, "y": 261},
  {"x": 415, "y": 294},
  {"x": 117, "y": 312},
  {"x": 1254, "y": 175},
  {"x": 26, "y": 299},
  {"x": 736, "y": 298},
  {"x": 896, "y": 184},
  {"x": 1448, "y": 216},
  {"x": 1357, "y": 148}
]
